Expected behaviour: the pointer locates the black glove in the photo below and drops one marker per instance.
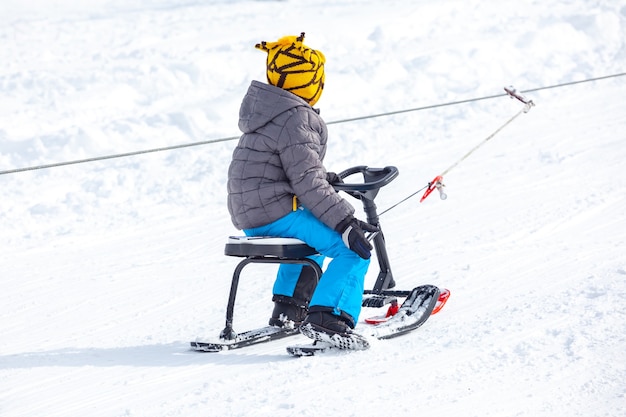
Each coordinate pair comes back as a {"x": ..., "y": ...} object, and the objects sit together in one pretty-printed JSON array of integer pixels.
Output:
[
  {"x": 333, "y": 178},
  {"x": 353, "y": 236}
]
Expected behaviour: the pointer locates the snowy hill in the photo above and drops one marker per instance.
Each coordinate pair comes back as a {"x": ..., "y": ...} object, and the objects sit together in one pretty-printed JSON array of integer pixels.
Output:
[{"x": 109, "y": 268}]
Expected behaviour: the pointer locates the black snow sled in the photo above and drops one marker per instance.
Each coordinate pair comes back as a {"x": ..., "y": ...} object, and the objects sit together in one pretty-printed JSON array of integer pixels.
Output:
[{"x": 293, "y": 251}]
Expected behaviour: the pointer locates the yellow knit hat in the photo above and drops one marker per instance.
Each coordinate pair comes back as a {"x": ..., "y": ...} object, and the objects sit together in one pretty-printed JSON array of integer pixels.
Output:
[{"x": 294, "y": 67}]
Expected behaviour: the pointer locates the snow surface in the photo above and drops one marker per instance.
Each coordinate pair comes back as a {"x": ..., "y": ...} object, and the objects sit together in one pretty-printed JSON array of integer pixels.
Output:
[{"x": 110, "y": 268}]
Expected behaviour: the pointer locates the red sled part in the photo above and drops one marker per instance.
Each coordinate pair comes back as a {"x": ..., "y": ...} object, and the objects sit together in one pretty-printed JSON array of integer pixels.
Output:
[
  {"x": 393, "y": 308},
  {"x": 391, "y": 311},
  {"x": 441, "y": 301},
  {"x": 377, "y": 319}
]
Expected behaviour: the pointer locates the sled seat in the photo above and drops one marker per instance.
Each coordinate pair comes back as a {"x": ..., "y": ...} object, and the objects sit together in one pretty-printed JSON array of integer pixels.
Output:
[
  {"x": 267, "y": 246},
  {"x": 263, "y": 250}
]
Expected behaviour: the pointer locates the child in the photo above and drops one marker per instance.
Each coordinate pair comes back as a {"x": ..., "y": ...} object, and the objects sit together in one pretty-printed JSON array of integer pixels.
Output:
[{"x": 278, "y": 186}]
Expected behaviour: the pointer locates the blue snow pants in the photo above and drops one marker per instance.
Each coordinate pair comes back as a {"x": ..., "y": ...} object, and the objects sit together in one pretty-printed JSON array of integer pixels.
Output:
[{"x": 341, "y": 284}]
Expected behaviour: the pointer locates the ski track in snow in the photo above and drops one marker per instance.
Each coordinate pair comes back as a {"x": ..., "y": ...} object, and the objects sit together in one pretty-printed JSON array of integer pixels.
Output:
[{"x": 110, "y": 268}]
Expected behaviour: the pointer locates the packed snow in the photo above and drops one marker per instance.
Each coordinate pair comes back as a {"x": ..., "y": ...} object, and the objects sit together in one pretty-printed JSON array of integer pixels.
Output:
[{"x": 109, "y": 268}]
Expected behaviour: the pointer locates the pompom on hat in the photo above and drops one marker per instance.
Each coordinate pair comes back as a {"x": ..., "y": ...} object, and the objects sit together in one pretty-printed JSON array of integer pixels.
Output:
[{"x": 295, "y": 67}]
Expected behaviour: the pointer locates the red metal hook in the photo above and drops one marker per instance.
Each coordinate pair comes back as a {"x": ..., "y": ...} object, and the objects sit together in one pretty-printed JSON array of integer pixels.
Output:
[{"x": 436, "y": 183}]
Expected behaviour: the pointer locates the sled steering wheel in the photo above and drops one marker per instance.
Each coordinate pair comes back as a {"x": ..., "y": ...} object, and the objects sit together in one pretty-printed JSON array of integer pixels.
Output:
[{"x": 373, "y": 180}]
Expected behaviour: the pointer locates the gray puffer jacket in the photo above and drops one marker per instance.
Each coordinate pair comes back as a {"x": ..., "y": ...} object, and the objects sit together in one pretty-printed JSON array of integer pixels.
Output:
[{"x": 280, "y": 155}]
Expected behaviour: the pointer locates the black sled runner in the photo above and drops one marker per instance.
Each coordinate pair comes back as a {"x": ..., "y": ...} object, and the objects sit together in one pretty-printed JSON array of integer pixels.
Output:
[
  {"x": 415, "y": 310},
  {"x": 418, "y": 305}
]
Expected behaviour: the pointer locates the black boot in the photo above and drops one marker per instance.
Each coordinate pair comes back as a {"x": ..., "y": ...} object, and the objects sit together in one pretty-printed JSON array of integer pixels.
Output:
[
  {"x": 294, "y": 308},
  {"x": 287, "y": 311},
  {"x": 323, "y": 325}
]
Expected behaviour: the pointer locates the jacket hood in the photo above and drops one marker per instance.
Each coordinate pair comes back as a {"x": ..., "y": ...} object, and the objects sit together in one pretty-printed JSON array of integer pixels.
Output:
[{"x": 262, "y": 103}]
